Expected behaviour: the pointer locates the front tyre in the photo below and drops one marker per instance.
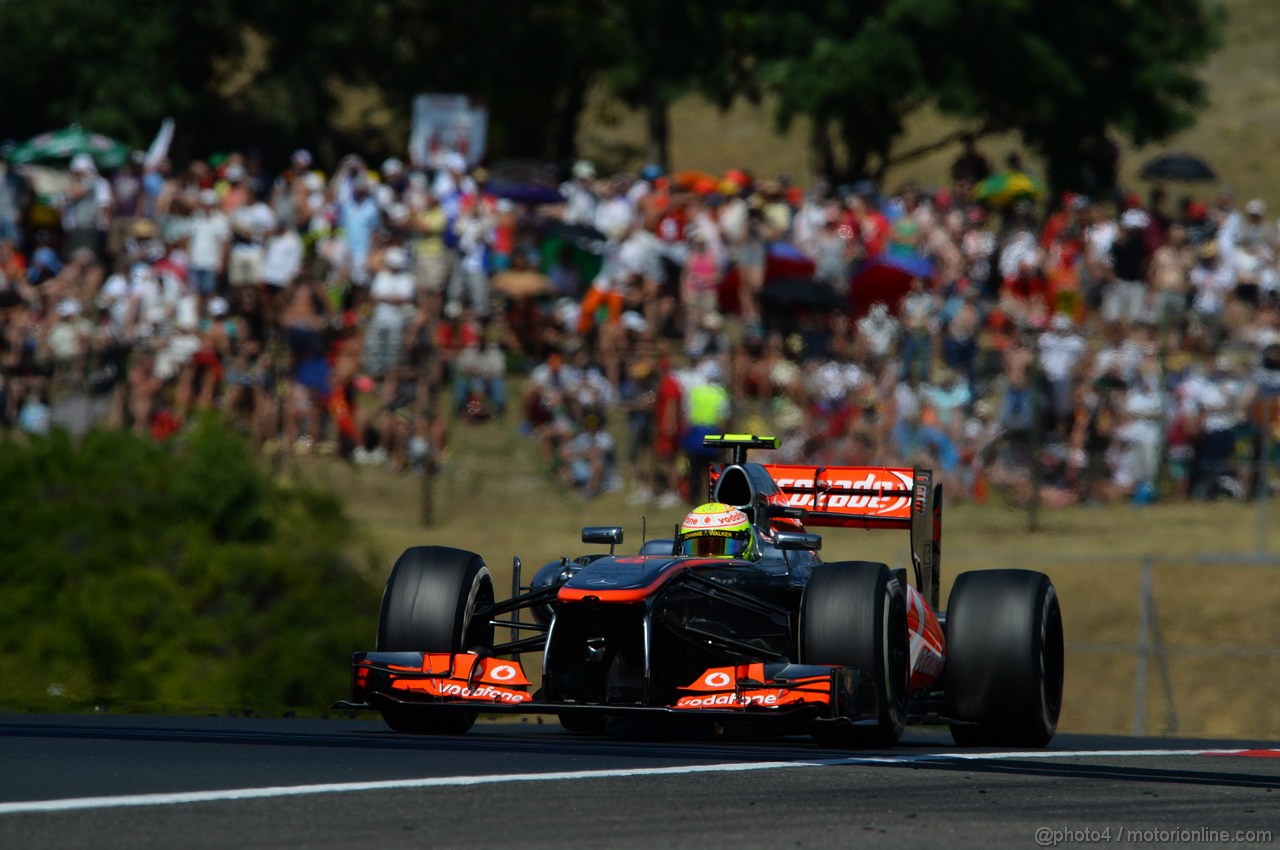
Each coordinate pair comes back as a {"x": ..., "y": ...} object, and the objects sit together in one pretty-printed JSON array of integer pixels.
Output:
[
  {"x": 429, "y": 605},
  {"x": 1005, "y": 659},
  {"x": 854, "y": 614}
]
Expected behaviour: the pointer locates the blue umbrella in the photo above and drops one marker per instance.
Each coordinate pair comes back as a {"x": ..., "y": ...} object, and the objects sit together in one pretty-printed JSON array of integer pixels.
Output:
[{"x": 527, "y": 193}]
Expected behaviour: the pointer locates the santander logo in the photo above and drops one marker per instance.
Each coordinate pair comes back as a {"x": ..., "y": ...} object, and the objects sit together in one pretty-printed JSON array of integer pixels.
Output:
[{"x": 877, "y": 505}]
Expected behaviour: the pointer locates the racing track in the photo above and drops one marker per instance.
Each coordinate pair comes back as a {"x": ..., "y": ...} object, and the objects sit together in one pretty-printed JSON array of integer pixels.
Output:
[{"x": 107, "y": 781}]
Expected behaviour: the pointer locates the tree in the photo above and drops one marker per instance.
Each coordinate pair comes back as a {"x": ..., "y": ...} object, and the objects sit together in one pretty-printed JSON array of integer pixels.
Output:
[
  {"x": 530, "y": 65},
  {"x": 113, "y": 67},
  {"x": 1069, "y": 80},
  {"x": 850, "y": 68},
  {"x": 1066, "y": 78},
  {"x": 660, "y": 50}
]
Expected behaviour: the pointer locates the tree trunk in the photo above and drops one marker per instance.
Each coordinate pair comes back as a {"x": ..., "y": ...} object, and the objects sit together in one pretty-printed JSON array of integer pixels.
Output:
[
  {"x": 659, "y": 130},
  {"x": 563, "y": 144},
  {"x": 824, "y": 156}
]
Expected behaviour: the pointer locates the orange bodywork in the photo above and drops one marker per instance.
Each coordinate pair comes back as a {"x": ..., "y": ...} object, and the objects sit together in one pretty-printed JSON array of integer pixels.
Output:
[
  {"x": 928, "y": 645},
  {"x": 850, "y": 496},
  {"x": 467, "y": 676},
  {"x": 745, "y": 686}
]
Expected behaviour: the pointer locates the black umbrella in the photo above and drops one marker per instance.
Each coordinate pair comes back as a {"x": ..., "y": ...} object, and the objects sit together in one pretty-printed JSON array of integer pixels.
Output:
[
  {"x": 526, "y": 193},
  {"x": 1185, "y": 167},
  {"x": 797, "y": 292}
]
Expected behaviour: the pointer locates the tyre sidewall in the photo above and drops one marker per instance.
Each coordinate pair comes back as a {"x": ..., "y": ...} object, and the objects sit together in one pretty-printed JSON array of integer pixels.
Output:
[
  {"x": 429, "y": 599},
  {"x": 853, "y": 614},
  {"x": 1004, "y": 657}
]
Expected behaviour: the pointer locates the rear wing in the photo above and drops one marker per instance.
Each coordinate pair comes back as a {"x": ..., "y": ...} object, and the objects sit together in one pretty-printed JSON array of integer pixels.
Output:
[
  {"x": 854, "y": 497},
  {"x": 872, "y": 497}
]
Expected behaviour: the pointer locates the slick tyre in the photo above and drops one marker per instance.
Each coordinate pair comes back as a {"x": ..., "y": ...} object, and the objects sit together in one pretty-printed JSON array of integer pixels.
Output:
[
  {"x": 429, "y": 605},
  {"x": 1004, "y": 659},
  {"x": 854, "y": 614}
]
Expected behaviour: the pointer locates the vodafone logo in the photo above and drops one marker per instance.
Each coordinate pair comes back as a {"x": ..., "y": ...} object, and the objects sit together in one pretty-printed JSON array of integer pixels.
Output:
[
  {"x": 487, "y": 692},
  {"x": 716, "y": 680},
  {"x": 729, "y": 700},
  {"x": 503, "y": 673}
]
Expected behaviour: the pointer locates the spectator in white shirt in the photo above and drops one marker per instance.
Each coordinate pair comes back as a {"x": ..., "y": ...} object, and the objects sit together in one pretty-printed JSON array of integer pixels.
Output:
[
  {"x": 282, "y": 258},
  {"x": 207, "y": 246},
  {"x": 392, "y": 293},
  {"x": 1060, "y": 350}
]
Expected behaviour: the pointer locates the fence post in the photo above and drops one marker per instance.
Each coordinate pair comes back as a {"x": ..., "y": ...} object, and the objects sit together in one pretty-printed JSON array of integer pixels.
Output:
[
  {"x": 1143, "y": 647},
  {"x": 1262, "y": 483}
]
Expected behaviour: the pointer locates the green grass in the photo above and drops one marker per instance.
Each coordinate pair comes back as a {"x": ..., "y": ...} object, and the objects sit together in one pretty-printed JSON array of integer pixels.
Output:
[{"x": 492, "y": 497}]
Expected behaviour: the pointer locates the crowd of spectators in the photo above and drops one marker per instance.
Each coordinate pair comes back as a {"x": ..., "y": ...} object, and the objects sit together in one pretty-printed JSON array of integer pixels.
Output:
[{"x": 1075, "y": 349}]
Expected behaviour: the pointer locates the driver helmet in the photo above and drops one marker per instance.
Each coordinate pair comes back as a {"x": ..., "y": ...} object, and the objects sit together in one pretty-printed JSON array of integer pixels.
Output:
[{"x": 717, "y": 530}]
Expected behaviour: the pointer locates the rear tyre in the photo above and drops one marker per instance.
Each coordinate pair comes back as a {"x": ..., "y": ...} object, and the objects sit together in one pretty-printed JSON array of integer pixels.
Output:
[
  {"x": 428, "y": 605},
  {"x": 1005, "y": 659},
  {"x": 854, "y": 614}
]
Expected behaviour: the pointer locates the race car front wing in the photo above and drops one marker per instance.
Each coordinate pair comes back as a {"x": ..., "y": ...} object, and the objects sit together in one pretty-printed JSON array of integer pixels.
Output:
[{"x": 432, "y": 681}]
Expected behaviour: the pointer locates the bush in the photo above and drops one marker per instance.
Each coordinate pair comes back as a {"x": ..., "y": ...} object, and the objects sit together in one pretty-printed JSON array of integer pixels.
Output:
[{"x": 172, "y": 577}]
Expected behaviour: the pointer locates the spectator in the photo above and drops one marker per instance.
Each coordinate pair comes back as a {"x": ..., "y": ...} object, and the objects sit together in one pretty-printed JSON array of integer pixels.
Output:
[
  {"x": 15, "y": 194},
  {"x": 391, "y": 293},
  {"x": 1060, "y": 351},
  {"x": 87, "y": 208},
  {"x": 589, "y": 459},
  {"x": 358, "y": 216},
  {"x": 208, "y": 244},
  {"x": 470, "y": 280},
  {"x": 479, "y": 381}
]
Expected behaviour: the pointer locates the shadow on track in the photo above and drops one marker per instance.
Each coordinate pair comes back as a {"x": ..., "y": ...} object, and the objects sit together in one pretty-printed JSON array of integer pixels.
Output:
[
  {"x": 1060, "y": 770},
  {"x": 519, "y": 739}
]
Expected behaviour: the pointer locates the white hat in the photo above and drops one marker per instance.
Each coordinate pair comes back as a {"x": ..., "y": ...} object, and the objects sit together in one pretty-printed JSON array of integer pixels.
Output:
[
  {"x": 68, "y": 307},
  {"x": 83, "y": 162},
  {"x": 583, "y": 169},
  {"x": 455, "y": 161},
  {"x": 1134, "y": 218},
  {"x": 208, "y": 197},
  {"x": 235, "y": 172},
  {"x": 392, "y": 165},
  {"x": 1061, "y": 322},
  {"x": 396, "y": 258},
  {"x": 313, "y": 181},
  {"x": 218, "y": 306},
  {"x": 633, "y": 321},
  {"x": 302, "y": 158},
  {"x": 1256, "y": 207}
]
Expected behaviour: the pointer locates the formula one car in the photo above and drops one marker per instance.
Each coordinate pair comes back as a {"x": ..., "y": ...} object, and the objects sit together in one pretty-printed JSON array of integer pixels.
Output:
[{"x": 765, "y": 633}]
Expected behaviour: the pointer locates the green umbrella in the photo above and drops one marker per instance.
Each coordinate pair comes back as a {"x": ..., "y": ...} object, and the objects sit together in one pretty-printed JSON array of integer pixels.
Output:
[
  {"x": 1005, "y": 187},
  {"x": 58, "y": 146}
]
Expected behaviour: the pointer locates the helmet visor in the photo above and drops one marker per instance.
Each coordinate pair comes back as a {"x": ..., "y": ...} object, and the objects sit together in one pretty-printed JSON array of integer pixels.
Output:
[{"x": 715, "y": 546}]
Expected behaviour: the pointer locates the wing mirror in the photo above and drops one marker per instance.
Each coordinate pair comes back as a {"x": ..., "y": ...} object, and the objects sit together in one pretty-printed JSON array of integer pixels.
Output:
[
  {"x": 795, "y": 541},
  {"x": 611, "y": 534}
]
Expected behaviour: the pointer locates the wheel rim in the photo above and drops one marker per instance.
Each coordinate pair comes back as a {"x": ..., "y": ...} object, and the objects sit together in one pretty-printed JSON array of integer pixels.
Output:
[
  {"x": 476, "y": 632},
  {"x": 1052, "y": 658},
  {"x": 897, "y": 655}
]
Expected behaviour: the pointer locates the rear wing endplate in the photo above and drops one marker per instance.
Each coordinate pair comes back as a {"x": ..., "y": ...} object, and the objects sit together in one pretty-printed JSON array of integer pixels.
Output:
[{"x": 872, "y": 497}]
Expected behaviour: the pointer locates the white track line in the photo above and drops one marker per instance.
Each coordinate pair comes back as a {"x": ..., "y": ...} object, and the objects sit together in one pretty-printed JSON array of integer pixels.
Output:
[{"x": 179, "y": 798}]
